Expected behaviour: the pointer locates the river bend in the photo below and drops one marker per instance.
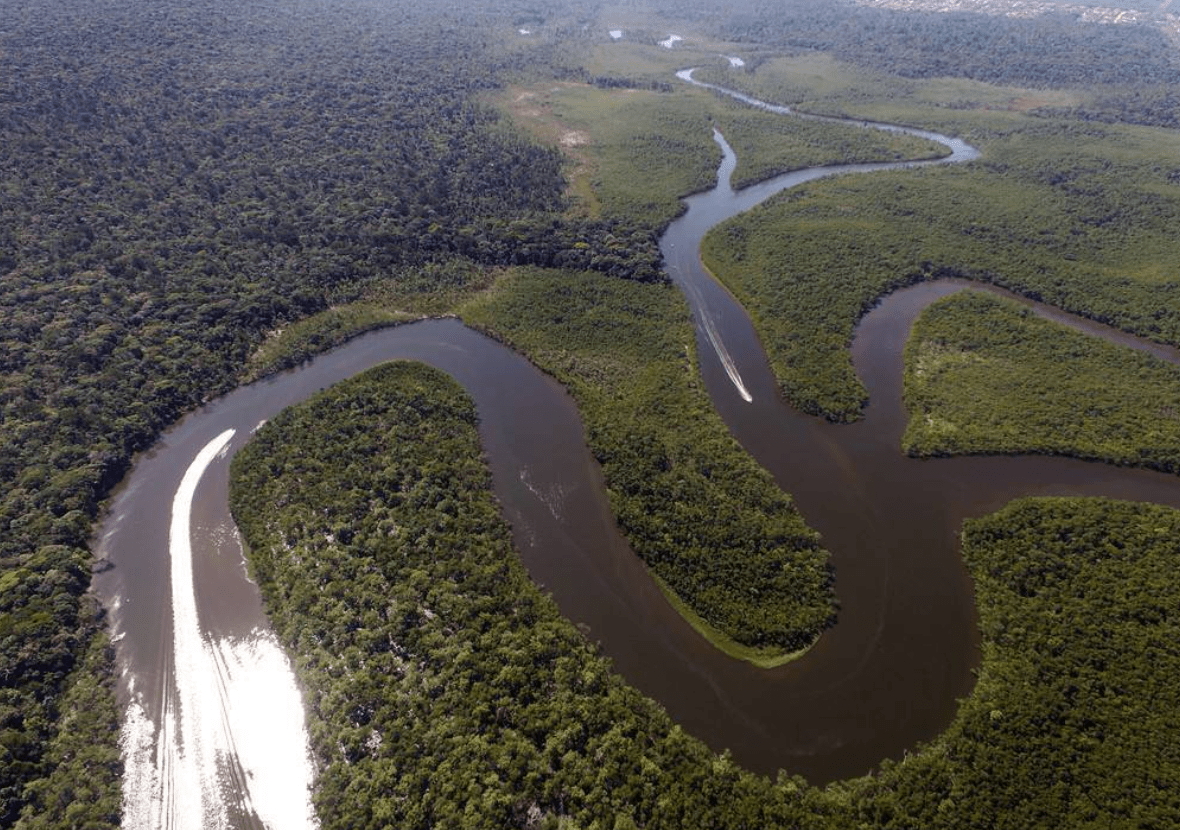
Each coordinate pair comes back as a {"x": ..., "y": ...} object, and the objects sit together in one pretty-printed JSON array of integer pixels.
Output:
[{"x": 886, "y": 677}]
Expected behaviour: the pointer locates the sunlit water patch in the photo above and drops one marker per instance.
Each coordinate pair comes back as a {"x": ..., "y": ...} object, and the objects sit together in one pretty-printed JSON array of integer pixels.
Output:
[{"x": 231, "y": 718}]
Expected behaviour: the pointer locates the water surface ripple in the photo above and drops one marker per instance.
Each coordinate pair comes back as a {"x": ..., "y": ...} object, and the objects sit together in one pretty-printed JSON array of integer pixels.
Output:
[
  {"x": 889, "y": 674},
  {"x": 886, "y": 677}
]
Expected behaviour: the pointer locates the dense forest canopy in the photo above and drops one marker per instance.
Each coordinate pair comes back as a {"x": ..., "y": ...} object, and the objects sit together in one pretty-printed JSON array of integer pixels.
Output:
[
  {"x": 981, "y": 376},
  {"x": 446, "y": 690},
  {"x": 178, "y": 179},
  {"x": 1133, "y": 69}
]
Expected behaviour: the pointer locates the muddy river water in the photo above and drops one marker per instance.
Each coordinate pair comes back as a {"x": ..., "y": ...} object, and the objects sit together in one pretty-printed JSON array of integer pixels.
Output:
[{"x": 213, "y": 733}]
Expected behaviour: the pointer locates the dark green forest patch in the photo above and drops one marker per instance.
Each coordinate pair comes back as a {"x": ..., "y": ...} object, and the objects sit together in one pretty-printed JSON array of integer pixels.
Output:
[
  {"x": 443, "y": 688},
  {"x": 708, "y": 521}
]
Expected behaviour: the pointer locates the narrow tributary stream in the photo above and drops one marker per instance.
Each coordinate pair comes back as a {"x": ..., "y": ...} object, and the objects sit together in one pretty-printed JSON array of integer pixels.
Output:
[{"x": 213, "y": 735}]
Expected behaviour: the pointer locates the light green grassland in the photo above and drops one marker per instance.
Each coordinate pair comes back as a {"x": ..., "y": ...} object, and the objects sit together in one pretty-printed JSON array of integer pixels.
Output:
[
  {"x": 645, "y": 149},
  {"x": 491, "y": 700},
  {"x": 987, "y": 375},
  {"x": 633, "y": 153},
  {"x": 1081, "y": 215}
]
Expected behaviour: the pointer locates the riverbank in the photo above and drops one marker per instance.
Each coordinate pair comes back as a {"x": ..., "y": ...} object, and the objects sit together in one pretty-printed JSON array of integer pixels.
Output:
[
  {"x": 763, "y": 658},
  {"x": 985, "y": 375},
  {"x": 709, "y": 522},
  {"x": 434, "y": 660},
  {"x": 1090, "y": 237}
]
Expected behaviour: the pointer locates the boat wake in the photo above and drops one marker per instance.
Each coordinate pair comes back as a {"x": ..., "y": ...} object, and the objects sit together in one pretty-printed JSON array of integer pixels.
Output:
[
  {"x": 723, "y": 355},
  {"x": 227, "y": 709}
]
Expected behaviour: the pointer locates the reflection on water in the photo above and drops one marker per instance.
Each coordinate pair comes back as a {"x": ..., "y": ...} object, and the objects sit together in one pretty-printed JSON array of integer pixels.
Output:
[
  {"x": 886, "y": 677},
  {"x": 226, "y": 745}
]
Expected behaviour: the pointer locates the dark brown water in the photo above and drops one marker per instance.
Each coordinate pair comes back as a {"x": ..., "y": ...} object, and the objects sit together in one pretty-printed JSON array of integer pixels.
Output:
[
  {"x": 886, "y": 677},
  {"x": 889, "y": 674}
]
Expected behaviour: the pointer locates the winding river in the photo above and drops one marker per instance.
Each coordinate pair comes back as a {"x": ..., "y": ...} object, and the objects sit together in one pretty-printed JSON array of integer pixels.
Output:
[{"x": 210, "y": 737}]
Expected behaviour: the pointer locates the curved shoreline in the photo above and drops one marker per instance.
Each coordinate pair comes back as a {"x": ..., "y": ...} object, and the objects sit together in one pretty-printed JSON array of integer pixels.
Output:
[
  {"x": 958, "y": 150},
  {"x": 885, "y": 678},
  {"x": 763, "y": 659},
  {"x": 898, "y": 503}
]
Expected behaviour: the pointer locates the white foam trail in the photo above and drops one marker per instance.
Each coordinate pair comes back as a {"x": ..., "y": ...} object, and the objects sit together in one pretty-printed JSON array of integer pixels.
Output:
[
  {"x": 235, "y": 720},
  {"x": 726, "y": 361},
  {"x": 141, "y": 779},
  {"x": 264, "y": 714},
  {"x": 191, "y": 792}
]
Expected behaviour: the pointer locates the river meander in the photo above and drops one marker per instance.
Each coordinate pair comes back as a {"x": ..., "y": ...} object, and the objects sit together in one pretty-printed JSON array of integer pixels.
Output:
[{"x": 885, "y": 678}]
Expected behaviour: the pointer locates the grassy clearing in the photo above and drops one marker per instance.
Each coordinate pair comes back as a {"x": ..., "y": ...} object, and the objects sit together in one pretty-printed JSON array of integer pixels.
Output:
[
  {"x": 642, "y": 29},
  {"x": 634, "y": 153},
  {"x": 767, "y": 144},
  {"x": 813, "y": 82},
  {"x": 637, "y": 56},
  {"x": 531, "y": 108}
]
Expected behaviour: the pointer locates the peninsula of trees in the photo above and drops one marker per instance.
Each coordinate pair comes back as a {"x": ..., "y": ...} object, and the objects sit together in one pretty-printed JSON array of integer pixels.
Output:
[{"x": 181, "y": 181}]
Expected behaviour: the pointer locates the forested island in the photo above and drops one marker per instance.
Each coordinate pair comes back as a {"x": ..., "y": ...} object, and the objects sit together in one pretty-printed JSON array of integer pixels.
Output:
[{"x": 195, "y": 195}]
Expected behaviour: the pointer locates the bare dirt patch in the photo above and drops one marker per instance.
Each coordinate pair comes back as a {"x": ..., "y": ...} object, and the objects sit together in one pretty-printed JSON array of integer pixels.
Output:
[{"x": 531, "y": 110}]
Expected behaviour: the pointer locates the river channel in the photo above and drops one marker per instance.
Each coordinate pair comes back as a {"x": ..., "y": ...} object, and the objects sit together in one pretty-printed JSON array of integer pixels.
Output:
[{"x": 885, "y": 678}]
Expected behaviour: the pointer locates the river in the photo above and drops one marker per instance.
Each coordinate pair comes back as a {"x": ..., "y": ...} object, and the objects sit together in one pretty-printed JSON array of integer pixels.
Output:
[{"x": 202, "y": 748}]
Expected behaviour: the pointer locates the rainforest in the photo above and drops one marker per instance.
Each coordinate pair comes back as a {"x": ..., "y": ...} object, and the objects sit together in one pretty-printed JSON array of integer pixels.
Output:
[{"x": 908, "y": 414}]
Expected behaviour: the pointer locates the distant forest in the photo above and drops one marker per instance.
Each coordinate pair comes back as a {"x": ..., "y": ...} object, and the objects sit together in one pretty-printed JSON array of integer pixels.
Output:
[
  {"x": 177, "y": 179},
  {"x": 1133, "y": 69}
]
